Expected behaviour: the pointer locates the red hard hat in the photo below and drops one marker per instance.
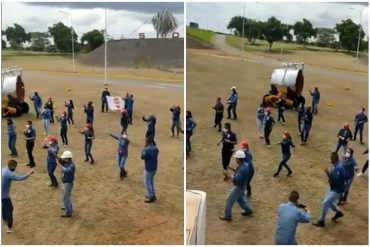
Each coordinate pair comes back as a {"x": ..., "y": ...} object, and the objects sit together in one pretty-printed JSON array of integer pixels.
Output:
[
  {"x": 52, "y": 139},
  {"x": 89, "y": 126},
  {"x": 244, "y": 144},
  {"x": 346, "y": 125},
  {"x": 286, "y": 133},
  {"x": 268, "y": 110}
]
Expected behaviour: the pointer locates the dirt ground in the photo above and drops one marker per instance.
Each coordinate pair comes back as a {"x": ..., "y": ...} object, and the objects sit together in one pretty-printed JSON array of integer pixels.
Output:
[
  {"x": 107, "y": 210},
  {"x": 210, "y": 75}
]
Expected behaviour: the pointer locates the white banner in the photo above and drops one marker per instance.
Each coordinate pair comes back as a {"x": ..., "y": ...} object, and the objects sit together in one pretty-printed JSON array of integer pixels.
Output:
[{"x": 115, "y": 103}]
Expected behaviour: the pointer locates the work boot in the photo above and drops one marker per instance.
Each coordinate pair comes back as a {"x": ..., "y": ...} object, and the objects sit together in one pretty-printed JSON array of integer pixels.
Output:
[
  {"x": 276, "y": 175},
  {"x": 121, "y": 174},
  {"x": 150, "y": 200},
  {"x": 319, "y": 223},
  {"x": 289, "y": 173},
  {"x": 92, "y": 162},
  {"x": 337, "y": 216},
  {"x": 224, "y": 218},
  {"x": 86, "y": 160},
  {"x": 249, "y": 213}
]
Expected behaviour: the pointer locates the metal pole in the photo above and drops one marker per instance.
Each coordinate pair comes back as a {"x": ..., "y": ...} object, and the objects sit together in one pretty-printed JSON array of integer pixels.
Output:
[
  {"x": 359, "y": 35},
  {"x": 243, "y": 30},
  {"x": 73, "y": 47},
  {"x": 105, "y": 49}
]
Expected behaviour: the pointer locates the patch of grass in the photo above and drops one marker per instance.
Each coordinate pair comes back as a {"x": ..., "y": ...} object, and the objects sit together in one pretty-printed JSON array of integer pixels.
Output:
[
  {"x": 11, "y": 53},
  {"x": 200, "y": 34}
]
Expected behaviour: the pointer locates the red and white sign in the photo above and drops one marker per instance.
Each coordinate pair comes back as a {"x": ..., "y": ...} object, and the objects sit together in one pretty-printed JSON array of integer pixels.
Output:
[{"x": 115, "y": 103}]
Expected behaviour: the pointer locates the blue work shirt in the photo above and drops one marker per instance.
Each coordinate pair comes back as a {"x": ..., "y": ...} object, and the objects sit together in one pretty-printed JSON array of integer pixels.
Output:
[
  {"x": 150, "y": 157},
  {"x": 315, "y": 96},
  {"x": 337, "y": 178},
  {"x": 346, "y": 134},
  {"x": 37, "y": 101},
  {"x": 289, "y": 216},
  {"x": 241, "y": 177},
  {"x": 129, "y": 103},
  {"x": 229, "y": 138},
  {"x": 122, "y": 145},
  {"x": 63, "y": 122},
  {"x": 89, "y": 110},
  {"x": 349, "y": 165},
  {"x": 7, "y": 176},
  {"x": 261, "y": 113},
  {"x": 46, "y": 114},
  {"x": 70, "y": 108},
  {"x": 68, "y": 173},
  {"x": 360, "y": 118},
  {"x": 269, "y": 122},
  {"x": 190, "y": 124},
  {"x": 30, "y": 135},
  {"x": 52, "y": 152},
  {"x": 11, "y": 130},
  {"x": 233, "y": 98},
  {"x": 248, "y": 155},
  {"x": 151, "y": 124},
  {"x": 286, "y": 143},
  {"x": 175, "y": 114}
]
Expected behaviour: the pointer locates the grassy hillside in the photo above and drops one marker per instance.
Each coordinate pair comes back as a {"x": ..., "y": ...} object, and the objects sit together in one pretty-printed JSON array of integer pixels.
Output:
[{"x": 204, "y": 36}]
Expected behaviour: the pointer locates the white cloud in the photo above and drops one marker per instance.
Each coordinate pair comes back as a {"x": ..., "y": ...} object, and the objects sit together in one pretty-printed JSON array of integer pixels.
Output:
[
  {"x": 121, "y": 23},
  {"x": 217, "y": 15}
]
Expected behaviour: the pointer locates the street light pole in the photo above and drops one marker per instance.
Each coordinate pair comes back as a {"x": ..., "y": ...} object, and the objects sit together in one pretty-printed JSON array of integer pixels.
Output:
[
  {"x": 73, "y": 45},
  {"x": 243, "y": 30},
  {"x": 105, "y": 49},
  {"x": 359, "y": 32}
]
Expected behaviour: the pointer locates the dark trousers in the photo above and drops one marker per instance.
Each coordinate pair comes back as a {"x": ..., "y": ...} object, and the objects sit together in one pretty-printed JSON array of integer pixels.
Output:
[
  {"x": 188, "y": 143},
  {"x": 305, "y": 131},
  {"x": 281, "y": 115},
  {"x": 365, "y": 166},
  {"x": 218, "y": 120},
  {"x": 104, "y": 105},
  {"x": 88, "y": 146},
  {"x": 150, "y": 134},
  {"x": 267, "y": 135},
  {"x": 89, "y": 119},
  {"x": 358, "y": 128},
  {"x": 124, "y": 128},
  {"x": 231, "y": 107},
  {"x": 63, "y": 135},
  {"x": 7, "y": 211},
  {"x": 51, "y": 168},
  {"x": 29, "y": 147},
  {"x": 283, "y": 162},
  {"x": 11, "y": 144},
  {"x": 299, "y": 124},
  {"x": 226, "y": 154},
  {"x": 129, "y": 112},
  {"x": 51, "y": 116},
  {"x": 70, "y": 118},
  {"x": 343, "y": 144},
  {"x": 175, "y": 124}
]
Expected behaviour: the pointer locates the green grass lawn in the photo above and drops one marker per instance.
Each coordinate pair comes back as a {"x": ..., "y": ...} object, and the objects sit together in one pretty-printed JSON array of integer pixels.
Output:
[
  {"x": 263, "y": 46},
  {"x": 10, "y": 53},
  {"x": 200, "y": 34}
]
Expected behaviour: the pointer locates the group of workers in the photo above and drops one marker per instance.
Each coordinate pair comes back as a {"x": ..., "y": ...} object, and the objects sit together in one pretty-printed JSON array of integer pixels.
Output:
[
  {"x": 340, "y": 176},
  {"x": 149, "y": 153}
]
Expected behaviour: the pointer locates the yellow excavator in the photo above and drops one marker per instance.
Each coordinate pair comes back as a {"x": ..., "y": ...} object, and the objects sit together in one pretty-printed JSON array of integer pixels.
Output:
[{"x": 12, "y": 93}]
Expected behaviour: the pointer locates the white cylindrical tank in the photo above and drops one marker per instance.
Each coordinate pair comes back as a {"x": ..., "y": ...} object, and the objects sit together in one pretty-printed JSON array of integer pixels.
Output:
[
  {"x": 290, "y": 75},
  {"x": 12, "y": 84}
]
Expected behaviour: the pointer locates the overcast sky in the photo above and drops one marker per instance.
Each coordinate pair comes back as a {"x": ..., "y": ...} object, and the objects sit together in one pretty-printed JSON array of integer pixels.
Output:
[
  {"x": 217, "y": 15},
  {"x": 124, "y": 19}
]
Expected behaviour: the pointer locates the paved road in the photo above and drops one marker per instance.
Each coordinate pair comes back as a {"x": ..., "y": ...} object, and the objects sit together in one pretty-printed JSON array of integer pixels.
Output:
[
  {"x": 220, "y": 42},
  {"x": 156, "y": 84}
]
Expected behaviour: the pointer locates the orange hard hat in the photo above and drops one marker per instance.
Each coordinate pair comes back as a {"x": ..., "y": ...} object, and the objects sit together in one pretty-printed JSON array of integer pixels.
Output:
[
  {"x": 244, "y": 144},
  {"x": 346, "y": 125},
  {"x": 286, "y": 133}
]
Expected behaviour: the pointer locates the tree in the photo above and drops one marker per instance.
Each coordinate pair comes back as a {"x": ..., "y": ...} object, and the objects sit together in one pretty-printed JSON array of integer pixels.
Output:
[
  {"x": 325, "y": 37},
  {"x": 304, "y": 30},
  {"x": 348, "y": 34},
  {"x": 164, "y": 23},
  {"x": 236, "y": 23},
  {"x": 17, "y": 36},
  {"x": 3, "y": 44},
  {"x": 39, "y": 41},
  {"x": 62, "y": 36},
  {"x": 93, "y": 39},
  {"x": 272, "y": 31}
]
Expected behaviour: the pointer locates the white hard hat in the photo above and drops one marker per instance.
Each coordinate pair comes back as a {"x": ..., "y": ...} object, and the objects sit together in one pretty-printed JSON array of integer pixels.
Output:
[
  {"x": 233, "y": 88},
  {"x": 67, "y": 155},
  {"x": 239, "y": 154}
]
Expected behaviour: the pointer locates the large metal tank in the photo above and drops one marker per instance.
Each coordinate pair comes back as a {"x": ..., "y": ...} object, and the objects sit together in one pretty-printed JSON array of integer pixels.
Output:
[
  {"x": 290, "y": 75},
  {"x": 13, "y": 93}
]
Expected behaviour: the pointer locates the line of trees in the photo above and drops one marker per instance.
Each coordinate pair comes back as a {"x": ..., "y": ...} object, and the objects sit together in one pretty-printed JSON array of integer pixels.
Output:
[
  {"x": 163, "y": 22},
  {"x": 274, "y": 30}
]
